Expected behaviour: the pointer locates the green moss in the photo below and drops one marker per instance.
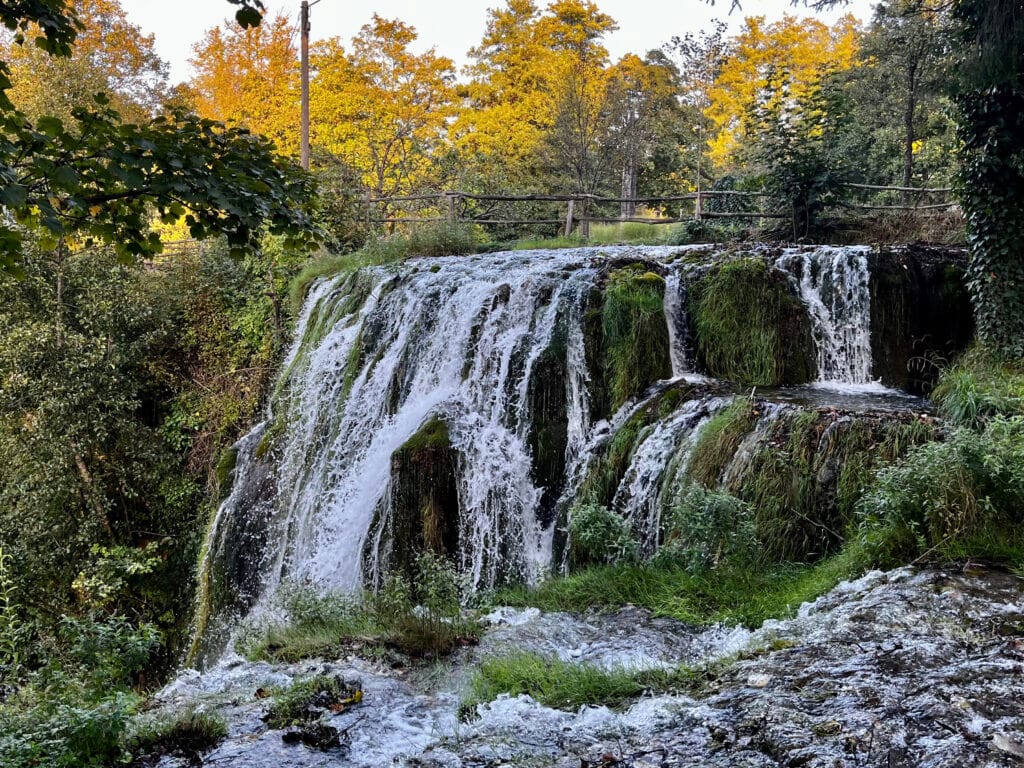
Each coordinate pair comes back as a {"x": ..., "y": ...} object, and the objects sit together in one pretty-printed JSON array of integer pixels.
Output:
[
  {"x": 634, "y": 333},
  {"x": 432, "y": 435},
  {"x": 225, "y": 471},
  {"x": 719, "y": 440},
  {"x": 549, "y": 421},
  {"x": 750, "y": 328}
]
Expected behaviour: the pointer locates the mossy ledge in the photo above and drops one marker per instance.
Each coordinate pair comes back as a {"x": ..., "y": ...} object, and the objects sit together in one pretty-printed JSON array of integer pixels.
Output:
[
  {"x": 626, "y": 336},
  {"x": 750, "y": 327},
  {"x": 423, "y": 513}
]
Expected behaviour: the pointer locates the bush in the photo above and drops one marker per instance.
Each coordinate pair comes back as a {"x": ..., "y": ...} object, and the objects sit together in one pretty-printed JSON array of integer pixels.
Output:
[
  {"x": 706, "y": 528},
  {"x": 945, "y": 497},
  {"x": 599, "y": 536}
]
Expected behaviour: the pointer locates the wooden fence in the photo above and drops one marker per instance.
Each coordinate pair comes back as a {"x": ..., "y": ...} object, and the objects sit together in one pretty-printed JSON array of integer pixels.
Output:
[{"x": 579, "y": 211}]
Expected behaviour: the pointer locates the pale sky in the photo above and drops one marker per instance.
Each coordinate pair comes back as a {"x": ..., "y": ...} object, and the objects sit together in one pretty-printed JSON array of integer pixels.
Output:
[{"x": 451, "y": 26}]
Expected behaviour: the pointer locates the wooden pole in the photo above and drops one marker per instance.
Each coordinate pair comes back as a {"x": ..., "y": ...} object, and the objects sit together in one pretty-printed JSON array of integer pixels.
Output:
[
  {"x": 450, "y": 196},
  {"x": 569, "y": 217},
  {"x": 304, "y": 35}
]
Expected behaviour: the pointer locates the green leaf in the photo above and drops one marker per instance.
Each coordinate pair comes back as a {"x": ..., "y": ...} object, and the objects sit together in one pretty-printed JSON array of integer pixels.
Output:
[{"x": 249, "y": 17}]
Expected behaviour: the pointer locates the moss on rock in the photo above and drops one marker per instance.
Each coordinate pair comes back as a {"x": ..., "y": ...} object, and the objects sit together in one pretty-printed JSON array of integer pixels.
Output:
[
  {"x": 804, "y": 480},
  {"x": 720, "y": 439},
  {"x": 635, "y": 340},
  {"x": 549, "y": 422},
  {"x": 423, "y": 514},
  {"x": 750, "y": 327}
]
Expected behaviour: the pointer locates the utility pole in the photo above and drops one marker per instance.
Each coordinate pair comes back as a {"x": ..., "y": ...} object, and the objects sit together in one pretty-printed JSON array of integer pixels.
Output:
[{"x": 304, "y": 35}]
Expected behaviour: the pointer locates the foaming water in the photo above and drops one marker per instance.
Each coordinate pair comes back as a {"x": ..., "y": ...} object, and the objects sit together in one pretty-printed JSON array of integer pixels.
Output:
[{"x": 382, "y": 352}]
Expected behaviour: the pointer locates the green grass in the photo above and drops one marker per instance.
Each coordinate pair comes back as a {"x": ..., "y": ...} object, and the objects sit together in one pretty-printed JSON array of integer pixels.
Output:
[
  {"x": 568, "y": 686},
  {"x": 980, "y": 387},
  {"x": 732, "y": 594},
  {"x": 719, "y": 440},
  {"x": 629, "y": 233},
  {"x": 375, "y": 253},
  {"x": 330, "y": 625}
]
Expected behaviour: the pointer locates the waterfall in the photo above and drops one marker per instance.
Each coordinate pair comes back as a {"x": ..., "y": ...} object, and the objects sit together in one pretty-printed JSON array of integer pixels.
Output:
[
  {"x": 497, "y": 348},
  {"x": 665, "y": 448},
  {"x": 834, "y": 285},
  {"x": 677, "y": 320}
]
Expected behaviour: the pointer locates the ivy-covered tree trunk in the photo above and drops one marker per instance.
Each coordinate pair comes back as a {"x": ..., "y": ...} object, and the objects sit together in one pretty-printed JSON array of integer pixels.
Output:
[{"x": 991, "y": 103}]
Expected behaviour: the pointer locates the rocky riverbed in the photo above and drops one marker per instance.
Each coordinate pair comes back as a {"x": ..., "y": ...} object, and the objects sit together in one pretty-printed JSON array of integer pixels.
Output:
[{"x": 903, "y": 669}]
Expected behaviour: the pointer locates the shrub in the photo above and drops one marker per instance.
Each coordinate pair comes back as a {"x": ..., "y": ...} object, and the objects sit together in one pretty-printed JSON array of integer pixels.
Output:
[
  {"x": 599, "y": 536},
  {"x": 704, "y": 528},
  {"x": 944, "y": 495}
]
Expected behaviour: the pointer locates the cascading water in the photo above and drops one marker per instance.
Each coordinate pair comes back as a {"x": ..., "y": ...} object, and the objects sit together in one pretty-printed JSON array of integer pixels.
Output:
[
  {"x": 834, "y": 285},
  {"x": 500, "y": 349}
]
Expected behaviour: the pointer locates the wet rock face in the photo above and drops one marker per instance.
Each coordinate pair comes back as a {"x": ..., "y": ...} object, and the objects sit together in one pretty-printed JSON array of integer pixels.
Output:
[
  {"x": 549, "y": 425},
  {"x": 920, "y": 314},
  {"x": 424, "y": 509},
  {"x": 914, "y": 670}
]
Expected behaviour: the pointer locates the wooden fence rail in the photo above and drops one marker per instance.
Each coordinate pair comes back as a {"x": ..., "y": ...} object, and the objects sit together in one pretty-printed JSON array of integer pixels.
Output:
[{"x": 453, "y": 206}]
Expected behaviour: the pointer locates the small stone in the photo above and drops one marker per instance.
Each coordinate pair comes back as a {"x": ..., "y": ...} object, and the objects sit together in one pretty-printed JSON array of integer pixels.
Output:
[
  {"x": 1007, "y": 744},
  {"x": 759, "y": 681}
]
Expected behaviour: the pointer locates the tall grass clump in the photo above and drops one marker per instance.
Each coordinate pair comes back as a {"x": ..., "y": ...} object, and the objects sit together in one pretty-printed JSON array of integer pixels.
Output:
[
  {"x": 443, "y": 239},
  {"x": 720, "y": 439},
  {"x": 565, "y": 685},
  {"x": 980, "y": 387},
  {"x": 750, "y": 328},
  {"x": 635, "y": 336},
  {"x": 419, "y": 617},
  {"x": 375, "y": 253}
]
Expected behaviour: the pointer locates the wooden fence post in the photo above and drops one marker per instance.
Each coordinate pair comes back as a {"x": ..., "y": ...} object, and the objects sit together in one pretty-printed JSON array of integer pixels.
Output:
[
  {"x": 369, "y": 212},
  {"x": 450, "y": 198},
  {"x": 569, "y": 217},
  {"x": 584, "y": 220}
]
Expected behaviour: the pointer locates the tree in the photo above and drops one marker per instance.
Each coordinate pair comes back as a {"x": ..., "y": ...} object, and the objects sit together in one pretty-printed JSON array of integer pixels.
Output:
[
  {"x": 990, "y": 101},
  {"x": 643, "y": 112},
  {"x": 799, "y": 49},
  {"x": 110, "y": 55},
  {"x": 99, "y": 180},
  {"x": 900, "y": 82},
  {"x": 381, "y": 108},
  {"x": 250, "y": 77}
]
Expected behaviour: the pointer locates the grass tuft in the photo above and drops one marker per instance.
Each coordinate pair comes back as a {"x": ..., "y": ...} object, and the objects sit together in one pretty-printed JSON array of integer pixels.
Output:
[
  {"x": 747, "y": 594},
  {"x": 564, "y": 685},
  {"x": 184, "y": 734}
]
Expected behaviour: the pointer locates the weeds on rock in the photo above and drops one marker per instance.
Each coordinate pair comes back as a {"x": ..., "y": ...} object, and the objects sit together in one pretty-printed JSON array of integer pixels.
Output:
[{"x": 422, "y": 618}]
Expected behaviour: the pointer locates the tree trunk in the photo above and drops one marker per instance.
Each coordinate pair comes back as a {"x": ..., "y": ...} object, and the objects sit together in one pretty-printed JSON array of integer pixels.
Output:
[
  {"x": 629, "y": 183},
  {"x": 908, "y": 126}
]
